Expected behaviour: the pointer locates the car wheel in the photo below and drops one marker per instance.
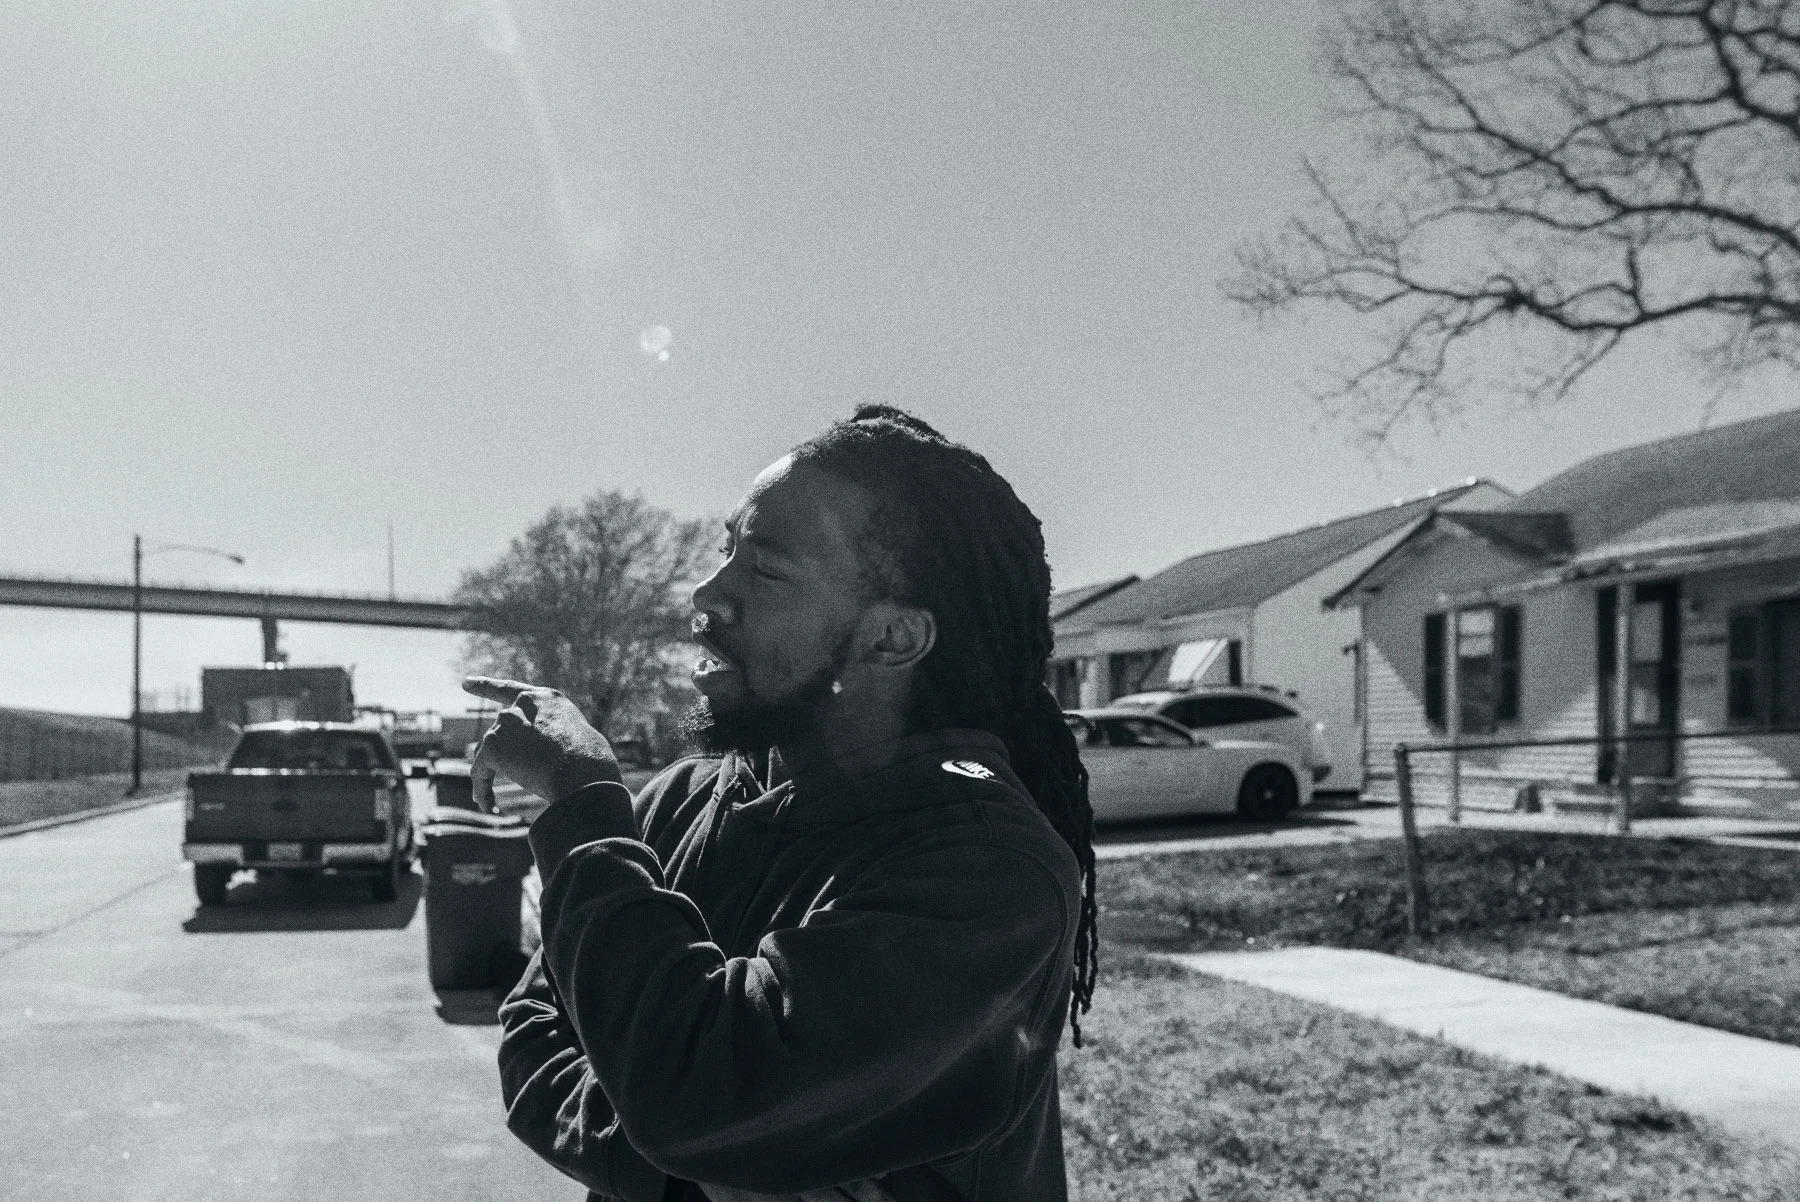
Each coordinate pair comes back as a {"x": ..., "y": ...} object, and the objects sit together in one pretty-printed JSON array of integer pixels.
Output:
[
  {"x": 385, "y": 885},
  {"x": 1269, "y": 792},
  {"x": 211, "y": 883}
]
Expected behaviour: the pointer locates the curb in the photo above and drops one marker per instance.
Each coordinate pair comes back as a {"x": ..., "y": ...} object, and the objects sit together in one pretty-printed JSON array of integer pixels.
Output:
[{"x": 41, "y": 824}]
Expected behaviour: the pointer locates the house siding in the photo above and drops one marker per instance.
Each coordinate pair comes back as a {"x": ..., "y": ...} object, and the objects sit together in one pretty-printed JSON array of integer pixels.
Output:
[
  {"x": 1559, "y": 695},
  {"x": 1764, "y": 767},
  {"x": 1300, "y": 645},
  {"x": 1558, "y": 691}
]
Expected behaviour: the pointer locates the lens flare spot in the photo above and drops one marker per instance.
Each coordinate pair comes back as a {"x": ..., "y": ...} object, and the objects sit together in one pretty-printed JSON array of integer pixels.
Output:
[{"x": 656, "y": 341}]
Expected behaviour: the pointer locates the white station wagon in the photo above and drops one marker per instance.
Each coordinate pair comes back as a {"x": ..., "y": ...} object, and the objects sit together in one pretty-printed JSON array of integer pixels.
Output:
[{"x": 1142, "y": 765}]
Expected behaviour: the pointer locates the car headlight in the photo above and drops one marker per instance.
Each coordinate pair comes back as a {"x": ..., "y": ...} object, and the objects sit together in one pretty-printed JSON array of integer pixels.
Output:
[
  {"x": 190, "y": 807},
  {"x": 384, "y": 805}
]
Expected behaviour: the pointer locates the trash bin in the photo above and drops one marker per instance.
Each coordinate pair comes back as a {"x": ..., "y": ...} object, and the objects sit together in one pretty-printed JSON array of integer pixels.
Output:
[
  {"x": 451, "y": 785},
  {"x": 475, "y": 866}
]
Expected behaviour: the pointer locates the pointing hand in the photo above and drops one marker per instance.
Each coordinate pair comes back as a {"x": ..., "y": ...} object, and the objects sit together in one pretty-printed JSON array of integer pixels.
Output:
[{"x": 539, "y": 740}]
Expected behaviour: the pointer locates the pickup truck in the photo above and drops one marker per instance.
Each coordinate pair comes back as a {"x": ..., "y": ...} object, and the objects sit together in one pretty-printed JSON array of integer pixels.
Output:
[{"x": 301, "y": 797}]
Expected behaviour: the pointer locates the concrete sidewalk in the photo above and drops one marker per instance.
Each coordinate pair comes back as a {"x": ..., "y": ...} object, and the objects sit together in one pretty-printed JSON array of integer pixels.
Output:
[{"x": 1749, "y": 1086}]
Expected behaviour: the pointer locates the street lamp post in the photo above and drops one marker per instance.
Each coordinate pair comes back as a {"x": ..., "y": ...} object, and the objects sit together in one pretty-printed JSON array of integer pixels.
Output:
[{"x": 137, "y": 642}]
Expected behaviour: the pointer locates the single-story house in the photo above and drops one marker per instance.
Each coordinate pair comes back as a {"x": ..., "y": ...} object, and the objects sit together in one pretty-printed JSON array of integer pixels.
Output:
[
  {"x": 1248, "y": 614},
  {"x": 1064, "y": 676},
  {"x": 1678, "y": 559}
]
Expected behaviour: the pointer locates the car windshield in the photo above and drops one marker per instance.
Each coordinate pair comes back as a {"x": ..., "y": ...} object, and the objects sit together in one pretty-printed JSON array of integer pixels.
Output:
[{"x": 319, "y": 750}]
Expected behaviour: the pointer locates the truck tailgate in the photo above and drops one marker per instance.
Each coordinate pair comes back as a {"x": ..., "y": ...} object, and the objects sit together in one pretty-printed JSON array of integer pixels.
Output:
[{"x": 280, "y": 804}]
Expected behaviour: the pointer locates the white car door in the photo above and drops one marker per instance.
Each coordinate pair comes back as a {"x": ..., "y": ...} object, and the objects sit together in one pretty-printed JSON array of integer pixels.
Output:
[{"x": 1149, "y": 767}]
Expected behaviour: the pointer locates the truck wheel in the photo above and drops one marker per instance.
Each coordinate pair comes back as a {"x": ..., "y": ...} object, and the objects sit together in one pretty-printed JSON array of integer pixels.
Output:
[
  {"x": 385, "y": 885},
  {"x": 211, "y": 881}
]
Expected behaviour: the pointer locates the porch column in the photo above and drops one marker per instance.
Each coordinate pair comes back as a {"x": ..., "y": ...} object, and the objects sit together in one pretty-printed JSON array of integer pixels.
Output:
[
  {"x": 1453, "y": 708},
  {"x": 1622, "y": 608}
]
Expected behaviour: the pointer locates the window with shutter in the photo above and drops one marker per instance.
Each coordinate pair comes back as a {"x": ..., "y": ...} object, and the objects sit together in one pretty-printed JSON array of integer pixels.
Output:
[
  {"x": 1434, "y": 669},
  {"x": 1506, "y": 698},
  {"x": 1743, "y": 703}
]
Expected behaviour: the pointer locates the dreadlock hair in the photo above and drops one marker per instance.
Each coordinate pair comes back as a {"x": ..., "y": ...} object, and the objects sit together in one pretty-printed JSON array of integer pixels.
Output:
[{"x": 949, "y": 535}]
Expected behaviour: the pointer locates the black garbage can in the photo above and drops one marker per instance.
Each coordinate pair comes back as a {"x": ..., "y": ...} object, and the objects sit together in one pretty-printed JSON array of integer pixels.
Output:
[
  {"x": 475, "y": 866},
  {"x": 453, "y": 788}
]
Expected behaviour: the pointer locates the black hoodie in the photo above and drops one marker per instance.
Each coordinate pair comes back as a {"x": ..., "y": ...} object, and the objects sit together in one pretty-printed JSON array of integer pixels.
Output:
[{"x": 848, "y": 986}]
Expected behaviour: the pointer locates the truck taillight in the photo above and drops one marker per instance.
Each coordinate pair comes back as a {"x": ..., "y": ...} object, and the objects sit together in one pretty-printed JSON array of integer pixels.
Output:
[
  {"x": 189, "y": 809},
  {"x": 384, "y": 805}
]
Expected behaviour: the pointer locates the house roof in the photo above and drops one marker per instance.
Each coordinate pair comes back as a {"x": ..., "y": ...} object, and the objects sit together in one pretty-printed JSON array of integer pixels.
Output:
[
  {"x": 1755, "y": 460},
  {"x": 1253, "y": 572},
  {"x": 1691, "y": 493},
  {"x": 1066, "y": 602},
  {"x": 1544, "y": 536},
  {"x": 1693, "y": 530}
]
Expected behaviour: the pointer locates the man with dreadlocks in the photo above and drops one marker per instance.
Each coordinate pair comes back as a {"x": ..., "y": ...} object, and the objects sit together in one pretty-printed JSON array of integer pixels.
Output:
[{"x": 833, "y": 962}]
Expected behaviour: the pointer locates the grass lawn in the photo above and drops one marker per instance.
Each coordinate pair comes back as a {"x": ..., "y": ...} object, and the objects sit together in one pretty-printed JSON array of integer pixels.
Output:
[
  {"x": 29, "y": 800},
  {"x": 1699, "y": 932},
  {"x": 1733, "y": 967},
  {"x": 1191, "y": 1088}
]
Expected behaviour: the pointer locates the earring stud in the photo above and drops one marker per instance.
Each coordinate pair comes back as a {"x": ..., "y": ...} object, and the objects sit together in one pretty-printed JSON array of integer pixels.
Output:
[{"x": 837, "y": 686}]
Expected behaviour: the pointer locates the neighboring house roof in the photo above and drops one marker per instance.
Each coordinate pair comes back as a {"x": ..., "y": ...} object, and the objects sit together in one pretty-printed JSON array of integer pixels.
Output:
[
  {"x": 1253, "y": 572},
  {"x": 1693, "y": 530},
  {"x": 1544, "y": 536},
  {"x": 1711, "y": 490},
  {"x": 1755, "y": 460},
  {"x": 1069, "y": 600}
]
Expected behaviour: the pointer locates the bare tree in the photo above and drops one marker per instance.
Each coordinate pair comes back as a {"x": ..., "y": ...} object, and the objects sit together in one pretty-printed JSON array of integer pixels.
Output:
[
  {"x": 1549, "y": 179},
  {"x": 592, "y": 600}
]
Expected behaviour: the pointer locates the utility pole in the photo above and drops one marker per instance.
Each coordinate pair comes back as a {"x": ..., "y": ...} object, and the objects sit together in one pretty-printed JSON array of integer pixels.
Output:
[
  {"x": 137, "y": 641},
  {"x": 137, "y": 662}
]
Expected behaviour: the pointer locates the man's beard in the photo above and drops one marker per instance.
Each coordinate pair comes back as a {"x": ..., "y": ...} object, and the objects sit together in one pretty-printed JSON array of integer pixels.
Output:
[{"x": 756, "y": 725}]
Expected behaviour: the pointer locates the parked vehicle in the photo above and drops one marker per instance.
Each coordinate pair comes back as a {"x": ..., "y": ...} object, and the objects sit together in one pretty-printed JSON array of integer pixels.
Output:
[
  {"x": 1250, "y": 711},
  {"x": 1142, "y": 765},
  {"x": 301, "y": 797}
]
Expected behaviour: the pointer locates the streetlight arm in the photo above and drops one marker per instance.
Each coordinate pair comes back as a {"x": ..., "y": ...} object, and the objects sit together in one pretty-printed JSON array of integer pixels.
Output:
[
  {"x": 159, "y": 548},
  {"x": 138, "y": 552}
]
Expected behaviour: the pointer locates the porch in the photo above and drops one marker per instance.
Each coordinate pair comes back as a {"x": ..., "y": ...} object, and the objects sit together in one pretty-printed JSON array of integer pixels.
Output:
[{"x": 1709, "y": 690}]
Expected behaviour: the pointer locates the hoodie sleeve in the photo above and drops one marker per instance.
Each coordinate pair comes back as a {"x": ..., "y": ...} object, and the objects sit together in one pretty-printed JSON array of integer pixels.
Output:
[
  {"x": 553, "y": 1102},
  {"x": 891, "y": 1028}
]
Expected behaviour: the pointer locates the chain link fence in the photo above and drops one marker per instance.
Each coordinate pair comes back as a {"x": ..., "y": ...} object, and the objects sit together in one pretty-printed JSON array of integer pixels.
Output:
[{"x": 37, "y": 745}]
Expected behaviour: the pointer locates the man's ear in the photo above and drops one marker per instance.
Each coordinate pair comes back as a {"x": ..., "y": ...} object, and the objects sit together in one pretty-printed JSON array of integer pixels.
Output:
[{"x": 902, "y": 635}]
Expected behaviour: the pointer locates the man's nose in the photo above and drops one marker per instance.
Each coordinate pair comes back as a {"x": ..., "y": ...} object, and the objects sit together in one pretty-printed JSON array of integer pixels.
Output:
[{"x": 710, "y": 600}]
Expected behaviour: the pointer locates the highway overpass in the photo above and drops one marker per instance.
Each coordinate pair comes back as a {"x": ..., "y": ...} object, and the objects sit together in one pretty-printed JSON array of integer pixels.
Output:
[{"x": 268, "y": 607}]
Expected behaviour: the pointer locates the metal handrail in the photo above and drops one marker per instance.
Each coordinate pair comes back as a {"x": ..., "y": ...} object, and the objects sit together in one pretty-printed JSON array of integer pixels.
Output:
[
  {"x": 1736, "y": 732},
  {"x": 1416, "y": 898}
]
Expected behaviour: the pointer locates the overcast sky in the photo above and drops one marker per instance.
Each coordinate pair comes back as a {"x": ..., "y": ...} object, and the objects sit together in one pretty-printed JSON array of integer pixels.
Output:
[{"x": 276, "y": 275}]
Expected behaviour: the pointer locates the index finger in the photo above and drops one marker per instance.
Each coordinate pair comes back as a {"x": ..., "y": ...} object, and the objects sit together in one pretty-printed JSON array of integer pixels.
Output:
[
  {"x": 481, "y": 779},
  {"x": 492, "y": 688}
]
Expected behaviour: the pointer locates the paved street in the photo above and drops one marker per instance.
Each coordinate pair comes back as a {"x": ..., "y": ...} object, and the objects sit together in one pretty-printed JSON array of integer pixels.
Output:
[{"x": 286, "y": 1047}]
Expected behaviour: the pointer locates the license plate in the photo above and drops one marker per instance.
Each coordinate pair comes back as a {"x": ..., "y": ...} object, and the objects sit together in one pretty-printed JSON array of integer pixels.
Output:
[{"x": 284, "y": 851}]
